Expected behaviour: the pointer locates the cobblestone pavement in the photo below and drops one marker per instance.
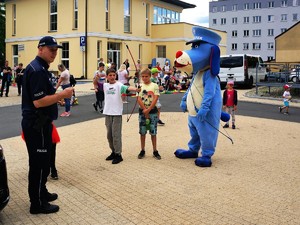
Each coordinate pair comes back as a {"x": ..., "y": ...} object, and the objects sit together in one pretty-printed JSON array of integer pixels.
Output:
[{"x": 254, "y": 181}]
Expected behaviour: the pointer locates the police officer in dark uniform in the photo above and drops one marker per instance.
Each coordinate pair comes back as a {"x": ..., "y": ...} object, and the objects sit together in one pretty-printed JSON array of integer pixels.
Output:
[
  {"x": 7, "y": 75},
  {"x": 39, "y": 109}
]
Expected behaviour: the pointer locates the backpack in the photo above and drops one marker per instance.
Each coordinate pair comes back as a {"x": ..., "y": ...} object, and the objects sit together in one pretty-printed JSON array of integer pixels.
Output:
[{"x": 72, "y": 81}]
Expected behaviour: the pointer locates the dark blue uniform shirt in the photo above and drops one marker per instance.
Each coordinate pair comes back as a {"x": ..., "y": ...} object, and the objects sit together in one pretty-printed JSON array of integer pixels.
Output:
[{"x": 36, "y": 85}]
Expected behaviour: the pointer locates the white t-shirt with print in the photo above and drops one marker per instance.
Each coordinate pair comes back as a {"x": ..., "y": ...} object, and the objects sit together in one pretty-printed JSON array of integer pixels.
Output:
[{"x": 113, "y": 102}]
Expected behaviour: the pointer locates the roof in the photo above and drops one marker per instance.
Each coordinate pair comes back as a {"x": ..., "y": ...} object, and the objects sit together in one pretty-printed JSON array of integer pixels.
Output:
[
  {"x": 296, "y": 24},
  {"x": 182, "y": 4}
]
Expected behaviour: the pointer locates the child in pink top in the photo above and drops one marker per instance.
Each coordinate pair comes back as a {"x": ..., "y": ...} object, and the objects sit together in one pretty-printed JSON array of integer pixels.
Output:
[{"x": 230, "y": 101}]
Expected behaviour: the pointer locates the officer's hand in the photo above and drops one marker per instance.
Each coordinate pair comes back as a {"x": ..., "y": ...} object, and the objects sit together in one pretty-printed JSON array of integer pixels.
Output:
[{"x": 68, "y": 92}]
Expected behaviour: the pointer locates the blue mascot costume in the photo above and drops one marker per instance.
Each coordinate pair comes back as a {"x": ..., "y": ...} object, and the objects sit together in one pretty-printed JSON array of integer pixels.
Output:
[{"x": 203, "y": 99}]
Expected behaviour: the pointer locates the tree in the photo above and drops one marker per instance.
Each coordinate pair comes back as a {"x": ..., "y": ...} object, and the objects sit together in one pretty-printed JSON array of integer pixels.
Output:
[{"x": 2, "y": 33}]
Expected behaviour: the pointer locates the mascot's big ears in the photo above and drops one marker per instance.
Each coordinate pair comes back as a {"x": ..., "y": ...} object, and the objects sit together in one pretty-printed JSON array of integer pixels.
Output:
[{"x": 215, "y": 60}]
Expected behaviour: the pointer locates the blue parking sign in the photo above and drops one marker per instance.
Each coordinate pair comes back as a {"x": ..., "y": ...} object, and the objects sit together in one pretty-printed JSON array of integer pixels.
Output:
[{"x": 82, "y": 41}]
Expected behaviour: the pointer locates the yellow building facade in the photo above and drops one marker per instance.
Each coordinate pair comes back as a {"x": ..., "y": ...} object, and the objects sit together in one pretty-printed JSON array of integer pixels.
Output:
[
  {"x": 288, "y": 45},
  {"x": 94, "y": 29}
]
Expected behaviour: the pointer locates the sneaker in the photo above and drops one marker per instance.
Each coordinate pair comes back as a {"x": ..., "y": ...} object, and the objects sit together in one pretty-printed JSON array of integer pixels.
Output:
[
  {"x": 286, "y": 113},
  {"x": 63, "y": 114},
  {"x": 233, "y": 126},
  {"x": 111, "y": 156},
  {"x": 142, "y": 154},
  {"x": 95, "y": 106},
  {"x": 280, "y": 109},
  {"x": 101, "y": 111},
  {"x": 226, "y": 126},
  {"x": 67, "y": 114},
  {"x": 160, "y": 122},
  {"x": 45, "y": 209},
  {"x": 156, "y": 155},
  {"x": 118, "y": 158},
  {"x": 51, "y": 197}
]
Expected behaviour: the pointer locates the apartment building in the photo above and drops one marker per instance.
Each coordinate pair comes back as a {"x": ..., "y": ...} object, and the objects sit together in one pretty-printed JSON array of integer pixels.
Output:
[
  {"x": 252, "y": 25},
  {"x": 94, "y": 29}
]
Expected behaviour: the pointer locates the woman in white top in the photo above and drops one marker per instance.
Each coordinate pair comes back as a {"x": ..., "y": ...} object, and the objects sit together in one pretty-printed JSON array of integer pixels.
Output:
[
  {"x": 123, "y": 78},
  {"x": 64, "y": 82}
]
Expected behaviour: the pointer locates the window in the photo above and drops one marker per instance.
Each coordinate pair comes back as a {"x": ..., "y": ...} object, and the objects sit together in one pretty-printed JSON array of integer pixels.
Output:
[
  {"x": 246, "y": 33},
  {"x": 284, "y": 3},
  {"x": 270, "y": 32},
  {"x": 270, "y": 18},
  {"x": 223, "y": 8},
  {"x": 53, "y": 15},
  {"x": 140, "y": 51},
  {"x": 295, "y": 2},
  {"x": 127, "y": 18},
  {"x": 283, "y": 30},
  {"x": 256, "y": 19},
  {"x": 270, "y": 45},
  {"x": 147, "y": 18},
  {"x": 14, "y": 17},
  {"x": 295, "y": 16},
  {"x": 234, "y": 33},
  {"x": 99, "y": 43},
  {"x": 223, "y": 21},
  {"x": 234, "y": 7},
  {"x": 270, "y": 58},
  {"x": 283, "y": 17},
  {"x": 256, "y": 46},
  {"x": 246, "y": 19},
  {"x": 15, "y": 51},
  {"x": 161, "y": 51},
  {"x": 107, "y": 14},
  {"x": 234, "y": 20},
  {"x": 214, "y": 9},
  {"x": 245, "y": 46},
  {"x": 75, "y": 18},
  {"x": 271, "y": 4},
  {"x": 162, "y": 16},
  {"x": 256, "y": 5},
  {"x": 214, "y": 21},
  {"x": 234, "y": 46},
  {"x": 65, "y": 54},
  {"x": 256, "y": 33},
  {"x": 246, "y": 6}
]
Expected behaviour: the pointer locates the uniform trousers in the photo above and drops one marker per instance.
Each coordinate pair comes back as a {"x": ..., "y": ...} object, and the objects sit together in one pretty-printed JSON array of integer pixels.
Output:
[{"x": 39, "y": 147}]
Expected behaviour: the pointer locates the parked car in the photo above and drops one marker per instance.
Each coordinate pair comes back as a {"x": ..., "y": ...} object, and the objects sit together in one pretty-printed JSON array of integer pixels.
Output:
[
  {"x": 4, "y": 191},
  {"x": 295, "y": 75}
]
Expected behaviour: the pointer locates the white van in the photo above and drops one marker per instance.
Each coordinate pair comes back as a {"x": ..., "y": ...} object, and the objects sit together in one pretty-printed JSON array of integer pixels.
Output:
[{"x": 243, "y": 69}]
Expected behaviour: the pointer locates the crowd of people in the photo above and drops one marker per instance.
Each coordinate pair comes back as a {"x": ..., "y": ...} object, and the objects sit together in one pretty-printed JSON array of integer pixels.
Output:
[{"x": 40, "y": 109}]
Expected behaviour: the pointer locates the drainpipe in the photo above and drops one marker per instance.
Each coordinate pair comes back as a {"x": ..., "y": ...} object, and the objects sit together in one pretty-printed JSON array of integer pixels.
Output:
[{"x": 86, "y": 39}]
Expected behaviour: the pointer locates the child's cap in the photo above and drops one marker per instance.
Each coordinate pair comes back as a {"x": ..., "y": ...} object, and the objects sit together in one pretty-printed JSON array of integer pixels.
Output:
[
  {"x": 154, "y": 70},
  {"x": 286, "y": 86},
  {"x": 230, "y": 82}
]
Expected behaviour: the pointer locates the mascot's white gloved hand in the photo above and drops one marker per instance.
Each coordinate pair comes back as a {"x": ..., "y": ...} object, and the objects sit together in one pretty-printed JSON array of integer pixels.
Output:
[
  {"x": 202, "y": 114},
  {"x": 183, "y": 106}
]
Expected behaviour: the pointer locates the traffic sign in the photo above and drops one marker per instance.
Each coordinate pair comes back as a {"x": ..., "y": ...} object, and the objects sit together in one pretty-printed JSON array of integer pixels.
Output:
[{"x": 82, "y": 41}]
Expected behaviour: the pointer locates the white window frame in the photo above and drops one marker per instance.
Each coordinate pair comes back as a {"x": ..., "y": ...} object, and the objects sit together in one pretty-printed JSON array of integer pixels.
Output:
[
  {"x": 257, "y": 33},
  {"x": 245, "y": 46},
  {"x": 234, "y": 20},
  {"x": 65, "y": 54},
  {"x": 127, "y": 16},
  {"x": 284, "y": 3},
  {"x": 270, "y": 45},
  {"x": 14, "y": 19},
  {"x": 246, "y": 33},
  {"x": 270, "y": 32},
  {"x": 161, "y": 51},
  {"x": 256, "y": 5},
  {"x": 234, "y": 7},
  {"x": 75, "y": 14},
  {"x": 107, "y": 14},
  {"x": 53, "y": 16},
  {"x": 246, "y": 6},
  {"x": 234, "y": 46},
  {"x": 256, "y": 19},
  {"x": 295, "y": 16},
  {"x": 271, "y": 4},
  {"x": 246, "y": 19},
  {"x": 283, "y": 17},
  {"x": 256, "y": 46},
  {"x": 271, "y": 18},
  {"x": 234, "y": 33},
  {"x": 223, "y": 21}
]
